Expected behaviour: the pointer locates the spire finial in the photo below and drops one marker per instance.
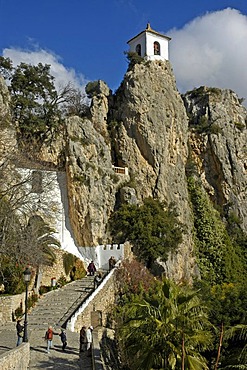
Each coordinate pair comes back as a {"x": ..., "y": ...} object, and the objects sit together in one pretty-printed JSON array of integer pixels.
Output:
[{"x": 148, "y": 26}]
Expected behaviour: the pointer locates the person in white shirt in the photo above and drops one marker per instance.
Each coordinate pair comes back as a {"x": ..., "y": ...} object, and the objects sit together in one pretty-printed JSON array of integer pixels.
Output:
[{"x": 89, "y": 339}]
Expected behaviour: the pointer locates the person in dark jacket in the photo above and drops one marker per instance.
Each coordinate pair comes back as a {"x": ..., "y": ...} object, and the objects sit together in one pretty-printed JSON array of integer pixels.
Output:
[
  {"x": 63, "y": 337},
  {"x": 19, "y": 330},
  {"x": 91, "y": 268},
  {"x": 83, "y": 341},
  {"x": 112, "y": 262}
]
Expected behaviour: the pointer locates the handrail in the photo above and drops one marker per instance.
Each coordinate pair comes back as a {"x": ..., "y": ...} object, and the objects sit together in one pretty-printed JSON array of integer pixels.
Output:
[
  {"x": 85, "y": 302},
  {"x": 79, "y": 302}
]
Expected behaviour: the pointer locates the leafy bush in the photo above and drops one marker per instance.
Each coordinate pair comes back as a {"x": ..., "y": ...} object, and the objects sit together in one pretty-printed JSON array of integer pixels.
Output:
[
  {"x": 62, "y": 281},
  {"x": 92, "y": 89},
  {"x": 19, "y": 312},
  {"x": 78, "y": 270},
  {"x": 133, "y": 58},
  {"x": 219, "y": 259},
  {"x": 68, "y": 262},
  {"x": 32, "y": 299},
  {"x": 13, "y": 275},
  {"x": 153, "y": 230},
  {"x": 44, "y": 289}
]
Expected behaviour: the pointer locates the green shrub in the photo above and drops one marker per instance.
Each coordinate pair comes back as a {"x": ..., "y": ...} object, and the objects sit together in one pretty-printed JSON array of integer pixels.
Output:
[
  {"x": 78, "y": 271},
  {"x": 133, "y": 58},
  {"x": 19, "y": 312},
  {"x": 218, "y": 258},
  {"x": 44, "y": 289},
  {"x": 153, "y": 228},
  {"x": 68, "y": 262},
  {"x": 32, "y": 299},
  {"x": 62, "y": 281},
  {"x": 92, "y": 89}
]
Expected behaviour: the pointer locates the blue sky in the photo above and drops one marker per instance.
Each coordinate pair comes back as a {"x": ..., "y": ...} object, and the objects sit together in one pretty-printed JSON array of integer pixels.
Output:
[{"x": 86, "y": 40}]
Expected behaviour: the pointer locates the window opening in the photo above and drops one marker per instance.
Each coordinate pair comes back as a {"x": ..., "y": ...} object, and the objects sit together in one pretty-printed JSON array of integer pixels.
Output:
[
  {"x": 37, "y": 182},
  {"x": 138, "y": 49},
  {"x": 156, "y": 48}
]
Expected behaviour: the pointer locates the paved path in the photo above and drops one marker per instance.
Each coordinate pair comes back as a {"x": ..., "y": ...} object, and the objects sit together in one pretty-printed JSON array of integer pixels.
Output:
[{"x": 52, "y": 309}]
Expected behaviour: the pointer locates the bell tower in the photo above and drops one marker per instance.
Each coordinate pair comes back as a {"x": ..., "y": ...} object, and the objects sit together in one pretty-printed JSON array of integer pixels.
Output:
[{"x": 150, "y": 44}]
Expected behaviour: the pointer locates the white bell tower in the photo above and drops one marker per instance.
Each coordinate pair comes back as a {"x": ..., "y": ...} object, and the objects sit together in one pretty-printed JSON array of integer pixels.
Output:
[{"x": 150, "y": 44}]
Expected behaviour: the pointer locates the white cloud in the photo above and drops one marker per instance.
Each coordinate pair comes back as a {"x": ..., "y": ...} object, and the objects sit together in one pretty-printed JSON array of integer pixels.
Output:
[
  {"x": 211, "y": 50},
  {"x": 62, "y": 75}
]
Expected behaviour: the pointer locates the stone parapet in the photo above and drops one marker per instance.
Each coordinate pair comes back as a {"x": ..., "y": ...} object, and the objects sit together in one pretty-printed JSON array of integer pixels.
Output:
[
  {"x": 16, "y": 359},
  {"x": 8, "y": 305},
  {"x": 94, "y": 311}
]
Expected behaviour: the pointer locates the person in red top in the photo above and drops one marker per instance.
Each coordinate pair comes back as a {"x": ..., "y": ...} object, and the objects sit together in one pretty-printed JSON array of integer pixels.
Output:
[{"x": 49, "y": 336}]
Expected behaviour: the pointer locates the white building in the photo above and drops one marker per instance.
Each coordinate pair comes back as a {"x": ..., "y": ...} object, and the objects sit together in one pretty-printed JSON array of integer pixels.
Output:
[
  {"x": 46, "y": 196},
  {"x": 150, "y": 44}
]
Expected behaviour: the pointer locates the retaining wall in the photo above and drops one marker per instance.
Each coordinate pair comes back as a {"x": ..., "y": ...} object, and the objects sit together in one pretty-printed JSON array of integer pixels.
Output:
[
  {"x": 55, "y": 271},
  {"x": 8, "y": 305},
  {"x": 94, "y": 311},
  {"x": 16, "y": 359}
]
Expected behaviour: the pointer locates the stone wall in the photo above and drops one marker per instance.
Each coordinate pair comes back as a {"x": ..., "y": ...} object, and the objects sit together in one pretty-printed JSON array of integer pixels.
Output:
[
  {"x": 95, "y": 313},
  {"x": 16, "y": 359},
  {"x": 8, "y": 305},
  {"x": 55, "y": 271}
]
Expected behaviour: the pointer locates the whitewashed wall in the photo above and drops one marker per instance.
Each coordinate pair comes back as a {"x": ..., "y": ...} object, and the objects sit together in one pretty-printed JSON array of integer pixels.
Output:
[
  {"x": 146, "y": 40},
  {"x": 52, "y": 205},
  {"x": 100, "y": 254}
]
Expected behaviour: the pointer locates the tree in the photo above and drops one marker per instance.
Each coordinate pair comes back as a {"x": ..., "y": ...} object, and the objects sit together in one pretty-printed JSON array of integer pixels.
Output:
[
  {"x": 153, "y": 230},
  {"x": 238, "y": 335},
  {"x": 132, "y": 277},
  {"x": 74, "y": 102},
  {"x": 34, "y": 100},
  {"x": 37, "y": 107},
  {"x": 219, "y": 259},
  {"x": 40, "y": 236},
  {"x": 227, "y": 304},
  {"x": 165, "y": 328},
  {"x": 6, "y": 67}
]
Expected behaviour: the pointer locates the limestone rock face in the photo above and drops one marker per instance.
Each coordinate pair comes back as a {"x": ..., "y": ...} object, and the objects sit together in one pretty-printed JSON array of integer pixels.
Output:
[
  {"x": 100, "y": 106},
  {"x": 218, "y": 137},
  {"x": 92, "y": 182},
  {"x": 151, "y": 134},
  {"x": 148, "y": 128}
]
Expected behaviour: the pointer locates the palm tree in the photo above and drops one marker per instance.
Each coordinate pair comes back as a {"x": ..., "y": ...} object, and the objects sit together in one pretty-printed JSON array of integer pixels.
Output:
[
  {"x": 40, "y": 237},
  {"x": 39, "y": 241},
  {"x": 165, "y": 329},
  {"x": 238, "y": 333}
]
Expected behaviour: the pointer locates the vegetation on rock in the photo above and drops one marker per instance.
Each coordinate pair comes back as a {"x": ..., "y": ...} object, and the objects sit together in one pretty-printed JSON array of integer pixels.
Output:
[
  {"x": 153, "y": 230},
  {"x": 37, "y": 107},
  {"x": 218, "y": 258}
]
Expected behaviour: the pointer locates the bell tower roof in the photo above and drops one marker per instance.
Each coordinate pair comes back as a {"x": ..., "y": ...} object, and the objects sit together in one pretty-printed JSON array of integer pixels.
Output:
[
  {"x": 150, "y": 44},
  {"x": 149, "y": 29}
]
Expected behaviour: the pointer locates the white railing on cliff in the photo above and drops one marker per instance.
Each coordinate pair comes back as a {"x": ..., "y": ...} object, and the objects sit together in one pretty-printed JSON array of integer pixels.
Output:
[{"x": 121, "y": 170}]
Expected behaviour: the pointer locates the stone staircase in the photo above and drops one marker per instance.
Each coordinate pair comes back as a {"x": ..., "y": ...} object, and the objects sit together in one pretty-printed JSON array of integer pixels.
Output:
[
  {"x": 57, "y": 306},
  {"x": 53, "y": 308}
]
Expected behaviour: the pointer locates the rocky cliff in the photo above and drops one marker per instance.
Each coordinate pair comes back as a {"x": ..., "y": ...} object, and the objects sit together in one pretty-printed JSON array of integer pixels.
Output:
[{"x": 149, "y": 128}]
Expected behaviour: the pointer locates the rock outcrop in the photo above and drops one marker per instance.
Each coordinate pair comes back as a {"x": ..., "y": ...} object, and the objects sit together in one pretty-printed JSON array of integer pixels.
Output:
[
  {"x": 218, "y": 138},
  {"x": 153, "y": 131}
]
